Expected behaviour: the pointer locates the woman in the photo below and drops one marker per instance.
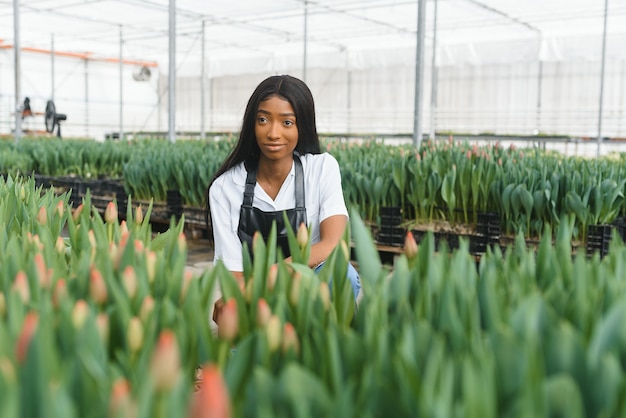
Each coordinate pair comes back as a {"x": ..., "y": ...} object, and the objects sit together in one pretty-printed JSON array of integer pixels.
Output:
[{"x": 276, "y": 167}]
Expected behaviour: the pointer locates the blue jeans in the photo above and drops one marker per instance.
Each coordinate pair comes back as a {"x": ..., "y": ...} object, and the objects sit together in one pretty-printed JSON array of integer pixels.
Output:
[{"x": 352, "y": 275}]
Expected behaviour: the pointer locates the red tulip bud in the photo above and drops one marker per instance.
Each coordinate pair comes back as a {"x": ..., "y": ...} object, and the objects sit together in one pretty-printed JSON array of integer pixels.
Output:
[
  {"x": 228, "y": 321},
  {"x": 290, "y": 339},
  {"x": 110, "y": 213},
  {"x": 212, "y": 399},
  {"x": 97, "y": 287},
  {"x": 263, "y": 313},
  {"x": 120, "y": 402},
  {"x": 20, "y": 285},
  {"x": 410, "y": 246},
  {"x": 77, "y": 212},
  {"x": 165, "y": 365},
  {"x": 29, "y": 327}
]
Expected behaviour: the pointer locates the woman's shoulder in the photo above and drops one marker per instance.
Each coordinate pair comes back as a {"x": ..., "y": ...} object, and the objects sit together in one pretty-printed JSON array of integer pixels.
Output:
[{"x": 235, "y": 175}]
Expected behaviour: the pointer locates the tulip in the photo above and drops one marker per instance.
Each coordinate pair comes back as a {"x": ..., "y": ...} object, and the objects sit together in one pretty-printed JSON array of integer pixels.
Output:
[
  {"x": 263, "y": 313},
  {"x": 60, "y": 245},
  {"x": 129, "y": 281},
  {"x": 410, "y": 246},
  {"x": 302, "y": 236},
  {"x": 123, "y": 227},
  {"x": 22, "y": 193},
  {"x": 139, "y": 215},
  {"x": 325, "y": 295},
  {"x": 92, "y": 239},
  {"x": 290, "y": 339},
  {"x": 135, "y": 334},
  {"x": 102, "y": 325},
  {"x": 147, "y": 306},
  {"x": 187, "y": 278},
  {"x": 97, "y": 287},
  {"x": 294, "y": 290},
  {"x": 42, "y": 216},
  {"x": 165, "y": 365},
  {"x": 7, "y": 370},
  {"x": 59, "y": 293},
  {"x": 120, "y": 402},
  {"x": 43, "y": 277},
  {"x": 80, "y": 312},
  {"x": 139, "y": 247},
  {"x": 110, "y": 213},
  {"x": 77, "y": 212},
  {"x": 29, "y": 327},
  {"x": 20, "y": 285},
  {"x": 60, "y": 209},
  {"x": 228, "y": 321},
  {"x": 182, "y": 242},
  {"x": 272, "y": 275},
  {"x": 212, "y": 399},
  {"x": 273, "y": 333},
  {"x": 151, "y": 260}
]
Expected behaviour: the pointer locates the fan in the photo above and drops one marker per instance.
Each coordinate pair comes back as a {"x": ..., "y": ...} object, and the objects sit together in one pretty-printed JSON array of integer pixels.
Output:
[
  {"x": 53, "y": 118},
  {"x": 143, "y": 74}
]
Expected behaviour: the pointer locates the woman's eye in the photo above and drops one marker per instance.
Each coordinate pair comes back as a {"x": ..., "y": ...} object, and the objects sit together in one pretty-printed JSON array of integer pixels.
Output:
[
  {"x": 262, "y": 120},
  {"x": 289, "y": 123}
]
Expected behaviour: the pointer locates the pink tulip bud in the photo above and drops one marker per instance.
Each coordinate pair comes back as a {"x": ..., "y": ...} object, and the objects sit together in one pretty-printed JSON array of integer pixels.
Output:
[
  {"x": 273, "y": 332},
  {"x": 139, "y": 215},
  {"x": 92, "y": 239},
  {"x": 42, "y": 216},
  {"x": 139, "y": 247},
  {"x": 165, "y": 365},
  {"x": 147, "y": 306},
  {"x": 120, "y": 402},
  {"x": 60, "y": 209},
  {"x": 290, "y": 339},
  {"x": 410, "y": 246},
  {"x": 102, "y": 325},
  {"x": 123, "y": 227},
  {"x": 228, "y": 321},
  {"x": 59, "y": 294},
  {"x": 182, "y": 242},
  {"x": 325, "y": 295},
  {"x": 129, "y": 281},
  {"x": 80, "y": 313},
  {"x": 77, "y": 212},
  {"x": 263, "y": 313},
  {"x": 134, "y": 335},
  {"x": 302, "y": 236},
  {"x": 20, "y": 285},
  {"x": 110, "y": 213},
  {"x": 29, "y": 328},
  {"x": 272, "y": 275},
  {"x": 212, "y": 399},
  {"x": 97, "y": 287}
]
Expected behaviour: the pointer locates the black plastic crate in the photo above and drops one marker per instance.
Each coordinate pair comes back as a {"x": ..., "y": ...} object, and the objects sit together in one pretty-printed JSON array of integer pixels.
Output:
[
  {"x": 174, "y": 203},
  {"x": 599, "y": 238}
]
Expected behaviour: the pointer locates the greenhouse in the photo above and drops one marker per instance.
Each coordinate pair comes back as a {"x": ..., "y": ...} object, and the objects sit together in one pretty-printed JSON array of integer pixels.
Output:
[{"x": 177, "y": 214}]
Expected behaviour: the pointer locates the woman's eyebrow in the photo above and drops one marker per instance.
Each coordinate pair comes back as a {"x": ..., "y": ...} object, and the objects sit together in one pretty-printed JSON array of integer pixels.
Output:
[{"x": 280, "y": 114}]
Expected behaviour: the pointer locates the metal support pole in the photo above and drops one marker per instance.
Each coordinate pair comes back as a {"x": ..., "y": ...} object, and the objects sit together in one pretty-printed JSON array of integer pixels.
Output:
[
  {"x": 52, "y": 66},
  {"x": 121, "y": 134},
  {"x": 539, "y": 99},
  {"x": 171, "y": 97},
  {"x": 419, "y": 73},
  {"x": 202, "y": 92},
  {"x": 306, "y": 35},
  {"x": 17, "y": 68},
  {"x": 349, "y": 104},
  {"x": 600, "y": 108},
  {"x": 86, "y": 97},
  {"x": 433, "y": 77}
]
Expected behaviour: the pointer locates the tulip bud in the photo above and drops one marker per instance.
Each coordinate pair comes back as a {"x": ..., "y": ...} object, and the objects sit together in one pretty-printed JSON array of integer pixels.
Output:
[
  {"x": 139, "y": 215},
  {"x": 272, "y": 275},
  {"x": 80, "y": 312},
  {"x": 257, "y": 238},
  {"x": 290, "y": 339},
  {"x": 325, "y": 295},
  {"x": 110, "y": 213},
  {"x": 42, "y": 272},
  {"x": 102, "y": 325},
  {"x": 59, "y": 293},
  {"x": 135, "y": 334},
  {"x": 151, "y": 261},
  {"x": 228, "y": 321},
  {"x": 7, "y": 370},
  {"x": 42, "y": 216},
  {"x": 60, "y": 245},
  {"x": 182, "y": 242},
  {"x": 139, "y": 247},
  {"x": 120, "y": 402},
  {"x": 129, "y": 281},
  {"x": 97, "y": 287},
  {"x": 410, "y": 246},
  {"x": 212, "y": 399},
  {"x": 77, "y": 212},
  {"x": 29, "y": 327},
  {"x": 20, "y": 285},
  {"x": 165, "y": 364},
  {"x": 273, "y": 333},
  {"x": 303, "y": 235},
  {"x": 123, "y": 227},
  {"x": 60, "y": 209},
  {"x": 114, "y": 255},
  {"x": 294, "y": 290},
  {"x": 147, "y": 306},
  {"x": 187, "y": 278},
  {"x": 263, "y": 313},
  {"x": 3, "y": 305},
  {"x": 92, "y": 239},
  {"x": 22, "y": 194}
]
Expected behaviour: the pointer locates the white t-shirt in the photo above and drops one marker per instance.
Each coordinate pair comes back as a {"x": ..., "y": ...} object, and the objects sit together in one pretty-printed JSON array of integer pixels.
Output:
[{"x": 323, "y": 198}]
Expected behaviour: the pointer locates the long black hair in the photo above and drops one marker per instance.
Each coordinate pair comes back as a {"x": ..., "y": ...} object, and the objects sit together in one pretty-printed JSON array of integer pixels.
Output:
[{"x": 299, "y": 96}]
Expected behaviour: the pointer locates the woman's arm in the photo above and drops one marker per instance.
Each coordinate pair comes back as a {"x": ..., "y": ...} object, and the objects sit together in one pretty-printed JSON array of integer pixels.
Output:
[{"x": 331, "y": 231}]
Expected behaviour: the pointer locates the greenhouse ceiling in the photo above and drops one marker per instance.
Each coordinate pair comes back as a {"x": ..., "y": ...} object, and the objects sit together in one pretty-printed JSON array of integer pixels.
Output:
[{"x": 240, "y": 29}]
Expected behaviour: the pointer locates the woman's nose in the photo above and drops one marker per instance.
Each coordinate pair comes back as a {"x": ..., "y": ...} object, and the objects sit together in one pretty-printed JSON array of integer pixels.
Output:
[{"x": 273, "y": 131}]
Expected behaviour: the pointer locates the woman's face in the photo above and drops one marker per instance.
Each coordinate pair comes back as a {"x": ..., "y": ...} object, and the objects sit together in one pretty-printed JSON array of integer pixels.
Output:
[{"x": 275, "y": 129}]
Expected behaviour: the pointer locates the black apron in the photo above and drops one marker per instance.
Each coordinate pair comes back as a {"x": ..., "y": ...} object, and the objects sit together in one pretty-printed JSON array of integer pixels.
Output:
[{"x": 252, "y": 219}]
